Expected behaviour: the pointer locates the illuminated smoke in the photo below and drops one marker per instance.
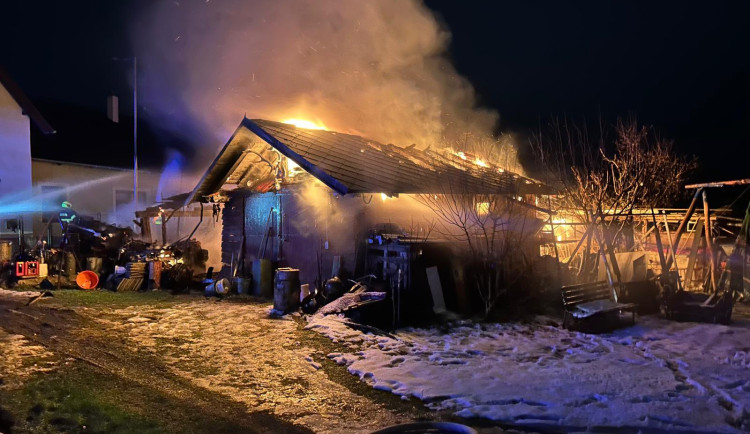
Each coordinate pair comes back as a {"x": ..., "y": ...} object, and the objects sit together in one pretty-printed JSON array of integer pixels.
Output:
[
  {"x": 372, "y": 68},
  {"x": 170, "y": 176}
]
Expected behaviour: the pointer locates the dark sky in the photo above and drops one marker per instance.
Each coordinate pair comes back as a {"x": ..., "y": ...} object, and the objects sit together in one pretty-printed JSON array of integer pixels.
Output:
[{"x": 682, "y": 67}]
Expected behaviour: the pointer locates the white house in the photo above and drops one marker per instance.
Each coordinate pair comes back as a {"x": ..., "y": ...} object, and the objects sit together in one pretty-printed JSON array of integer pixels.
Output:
[
  {"x": 16, "y": 114},
  {"x": 31, "y": 188}
]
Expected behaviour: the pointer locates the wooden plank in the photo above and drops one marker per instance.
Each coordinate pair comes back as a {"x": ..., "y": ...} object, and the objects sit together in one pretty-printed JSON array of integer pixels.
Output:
[
  {"x": 583, "y": 293},
  {"x": 599, "y": 284},
  {"x": 709, "y": 243},
  {"x": 588, "y": 295},
  {"x": 719, "y": 183},
  {"x": 583, "y": 285},
  {"x": 697, "y": 237},
  {"x": 436, "y": 289},
  {"x": 682, "y": 227},
  {"x": 659, "y": 245}
]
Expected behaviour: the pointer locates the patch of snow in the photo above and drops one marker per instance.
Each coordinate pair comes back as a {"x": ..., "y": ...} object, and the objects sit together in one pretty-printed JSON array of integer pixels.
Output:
[
  {"x": 313, "y": 363},
  {"x": 348, "y": 300},
  {"x": 18, "y": 295},
  {"x": 658, "y": 373}
]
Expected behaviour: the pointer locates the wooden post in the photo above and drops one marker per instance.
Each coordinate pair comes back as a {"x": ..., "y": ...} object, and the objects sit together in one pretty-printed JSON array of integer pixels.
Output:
[
  {"x": 669, "y": 239},
  {"x": 146, "y": 228},
  {"x": 671, "y": 250},
  {"x": 601, "y": 239},
  {"x": 682, "y": 227},
  {"x": 587, "y": 253},
  {"x": 163, "y": 231},
  {"x": 697, "y": 237},
  {"x": 709, "y": 243},
  {"x": 554, "y": 240},
  {"x": 603, "y": 255},
  {"x": 580, "y": 243},
  {"x": 613, "y": 258},
  {"x": 659, "y": 245}
]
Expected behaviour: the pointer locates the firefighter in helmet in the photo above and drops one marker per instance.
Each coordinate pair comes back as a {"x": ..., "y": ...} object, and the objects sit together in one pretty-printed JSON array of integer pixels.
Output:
[
  {"x": 66, "y": 215},
  {"x": 69, "y": 219}
]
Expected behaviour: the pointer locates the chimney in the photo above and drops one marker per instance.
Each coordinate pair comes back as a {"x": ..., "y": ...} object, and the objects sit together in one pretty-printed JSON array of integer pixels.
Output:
[{"x": 113, "y": 108}]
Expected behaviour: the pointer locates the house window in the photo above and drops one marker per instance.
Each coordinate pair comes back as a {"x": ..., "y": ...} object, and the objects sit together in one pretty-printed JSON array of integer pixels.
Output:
[{"x": 10, "y": 224}]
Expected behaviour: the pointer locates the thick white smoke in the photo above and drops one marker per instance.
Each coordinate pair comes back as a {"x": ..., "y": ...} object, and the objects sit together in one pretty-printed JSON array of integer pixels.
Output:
[{"x": 373, "y": 68}]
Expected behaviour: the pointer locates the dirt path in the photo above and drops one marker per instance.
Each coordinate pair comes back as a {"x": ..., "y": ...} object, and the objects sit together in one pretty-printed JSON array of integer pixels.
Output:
[
  {"x": 227, "y": 362},
  {"x": 236, "y": 350},
  {"x": 68, "y": 334}
]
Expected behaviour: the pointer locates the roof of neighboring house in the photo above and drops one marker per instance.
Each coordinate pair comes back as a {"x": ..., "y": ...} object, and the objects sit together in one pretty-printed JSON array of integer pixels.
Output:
[
  {"x": 89, "y": 166},
  {"x": 353, "y": 164},
  {"x": 24, "y": 102},
  {"x": 85, "y": 135}
]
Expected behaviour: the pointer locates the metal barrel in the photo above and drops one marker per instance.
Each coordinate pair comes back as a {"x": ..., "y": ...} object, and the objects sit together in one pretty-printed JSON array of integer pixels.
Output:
[
  {"x": 219, "y": 287},
  {"x": 286, "y": 290},
  {"x": 262, "y": 278}
]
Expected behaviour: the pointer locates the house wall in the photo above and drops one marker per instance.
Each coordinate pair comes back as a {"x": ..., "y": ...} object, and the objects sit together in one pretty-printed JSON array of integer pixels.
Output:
[
  {"x": 292, "y": 234},
  {"x": 15, "y": 159},
  {"x": 104, "y": 193},
  {"x": 310, "y": 226},
  {"x": 308, "y": 220}
]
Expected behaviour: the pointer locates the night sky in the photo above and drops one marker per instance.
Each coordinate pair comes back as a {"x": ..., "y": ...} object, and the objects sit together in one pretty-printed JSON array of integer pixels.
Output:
[{"x": 681, "y": 67}]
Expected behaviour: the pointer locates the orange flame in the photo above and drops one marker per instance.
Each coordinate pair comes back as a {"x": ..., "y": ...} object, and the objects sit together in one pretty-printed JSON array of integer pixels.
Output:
[{"x": 304, "y": 123}]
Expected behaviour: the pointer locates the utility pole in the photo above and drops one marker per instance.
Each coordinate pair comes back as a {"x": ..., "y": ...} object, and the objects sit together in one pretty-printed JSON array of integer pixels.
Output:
[
  {"x": 135, "y": 135},
  {"x": 115, "y": 119}
]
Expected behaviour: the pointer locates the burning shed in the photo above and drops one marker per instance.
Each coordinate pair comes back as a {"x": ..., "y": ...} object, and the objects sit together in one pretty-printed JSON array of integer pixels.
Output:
[{"x": 326, "y": 202}]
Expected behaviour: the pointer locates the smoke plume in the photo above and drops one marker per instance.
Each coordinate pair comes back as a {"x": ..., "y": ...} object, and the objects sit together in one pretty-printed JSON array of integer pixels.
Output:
[{"x": 372, "y": 68}]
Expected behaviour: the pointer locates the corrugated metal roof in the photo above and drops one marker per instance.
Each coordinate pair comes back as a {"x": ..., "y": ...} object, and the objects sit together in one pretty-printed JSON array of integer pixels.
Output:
[{"x": 353, "y": 164}]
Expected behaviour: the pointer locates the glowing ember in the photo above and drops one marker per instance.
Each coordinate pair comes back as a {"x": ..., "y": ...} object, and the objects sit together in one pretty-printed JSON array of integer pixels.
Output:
[
  {"x": 461, "y": 155},
  {"x": 480, "y": 163},
  {"x": 302, "y": 123}
]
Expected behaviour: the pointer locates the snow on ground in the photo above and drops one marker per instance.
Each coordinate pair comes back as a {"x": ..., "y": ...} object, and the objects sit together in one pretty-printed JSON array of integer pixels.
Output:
[
  {"x": 8, "y": 294},
  {"x": 658, "y": 373},
  {"x": 20, "y": 359}
]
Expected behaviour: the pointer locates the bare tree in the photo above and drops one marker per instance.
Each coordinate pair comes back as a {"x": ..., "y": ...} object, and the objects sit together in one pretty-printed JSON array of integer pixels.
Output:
[
  {"x": 604, "y": 173},
  {"x": 492, "y": 230}
]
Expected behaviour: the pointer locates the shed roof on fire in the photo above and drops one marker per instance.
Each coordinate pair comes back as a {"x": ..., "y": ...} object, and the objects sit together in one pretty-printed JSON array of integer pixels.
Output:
[{"x": 351, "y": 164}]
